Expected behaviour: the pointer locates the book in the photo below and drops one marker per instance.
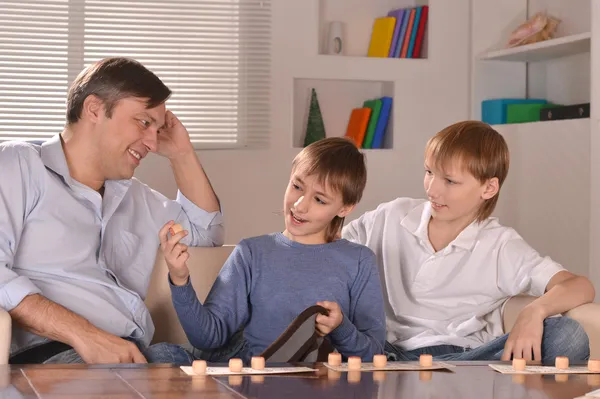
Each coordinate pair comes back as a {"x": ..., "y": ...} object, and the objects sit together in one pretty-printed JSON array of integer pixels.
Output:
[
  {"x": 413, "y": 34},
  {"x": 421, "y": 32},
  {"x": 375, "y": 106},
  {"x": 357, "y": 125},
  {"x": 381, "y": 37},
  {"x": 398, "y": 14},
  {"x": 382, "y": 122},
  {"x": 402, "y": 35},
  {"x": 411, "y": 21}
]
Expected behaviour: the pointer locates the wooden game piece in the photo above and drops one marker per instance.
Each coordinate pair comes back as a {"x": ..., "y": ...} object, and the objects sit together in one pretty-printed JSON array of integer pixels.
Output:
[
  {"x": 257, "y": 379},
  {"x": 379, "y": 376},
  {"x": 519, "y": 364},
  {"x": 425, "y": 375},
  {"x": 379, "y": 361},
  {"x": 235, "y": 380},
  {"x": 562, "y": 362},
  {"x": 235, "y": 365},
  {"x": 354, "y": 376},
  {"x": 426, "y": 360},
  {"x": 594, "y": 365},
  {"x": 334, "y": 359},
  {"x": 561, "y": 377},
  {"x": 354, "y": 363},
  {"x": 258, "y": 363},
  {"x": 176, "y": 228},
  {"x": 199, "y": 366}
]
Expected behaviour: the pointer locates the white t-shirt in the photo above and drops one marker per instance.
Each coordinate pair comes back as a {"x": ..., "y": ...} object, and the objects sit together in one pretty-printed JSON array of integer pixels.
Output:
[{"x": 453, "y": 296}]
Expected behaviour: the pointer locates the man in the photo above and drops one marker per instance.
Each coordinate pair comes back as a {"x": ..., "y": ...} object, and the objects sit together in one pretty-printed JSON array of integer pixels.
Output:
[{"x": 78, "y": 234}]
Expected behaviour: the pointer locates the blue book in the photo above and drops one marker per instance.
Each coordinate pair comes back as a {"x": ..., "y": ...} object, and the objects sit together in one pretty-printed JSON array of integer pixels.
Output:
[
  {"x": 413, "y": 35},
  {"x": 382, "y": 122},
  {"x": 398, "y": 14},
  {"x": 402, "y": 35}
]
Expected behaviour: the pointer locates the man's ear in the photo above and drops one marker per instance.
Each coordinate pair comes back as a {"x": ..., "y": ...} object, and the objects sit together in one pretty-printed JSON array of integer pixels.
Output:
[
  {"x": 491, "y": 188},
  {"x": 345, "y": 211},
  {"x": 93, "y": 108}
]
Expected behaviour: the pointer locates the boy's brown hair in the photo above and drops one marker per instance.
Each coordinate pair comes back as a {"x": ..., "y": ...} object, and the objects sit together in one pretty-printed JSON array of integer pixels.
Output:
[
  {"x": 478, "y": 148},
  {"x": 337, "y": 164}
]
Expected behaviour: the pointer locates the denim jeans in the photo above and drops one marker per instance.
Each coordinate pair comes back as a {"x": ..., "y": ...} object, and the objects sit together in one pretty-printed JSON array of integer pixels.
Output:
[
  {"x": 158, "y": 353},
  {"x": 562, "y": 336}
]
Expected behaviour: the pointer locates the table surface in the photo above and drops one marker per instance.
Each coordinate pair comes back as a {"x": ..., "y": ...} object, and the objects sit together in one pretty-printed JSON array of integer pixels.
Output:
[{"x": 469, "y": 380}]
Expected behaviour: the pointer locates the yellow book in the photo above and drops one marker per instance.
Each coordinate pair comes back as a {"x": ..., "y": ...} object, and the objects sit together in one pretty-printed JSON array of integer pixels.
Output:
[{"x": 381, "y": 37}]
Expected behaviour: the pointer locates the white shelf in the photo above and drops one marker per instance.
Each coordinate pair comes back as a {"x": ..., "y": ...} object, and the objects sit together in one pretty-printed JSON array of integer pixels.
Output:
[{"x": 542, "y": 51}]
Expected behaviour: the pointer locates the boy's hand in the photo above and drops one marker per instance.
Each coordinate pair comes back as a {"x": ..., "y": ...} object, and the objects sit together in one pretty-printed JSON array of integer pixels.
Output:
[
  {"x": 525, "y": 338},
  {"x": 176, "y": 254},
  {"x": 326, "y": 324}
]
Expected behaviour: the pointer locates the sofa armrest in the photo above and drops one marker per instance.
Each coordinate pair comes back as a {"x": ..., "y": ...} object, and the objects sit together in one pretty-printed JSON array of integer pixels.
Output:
[
  {"x": 5, "y": 335},
  {"x": 587, "y": 315}
]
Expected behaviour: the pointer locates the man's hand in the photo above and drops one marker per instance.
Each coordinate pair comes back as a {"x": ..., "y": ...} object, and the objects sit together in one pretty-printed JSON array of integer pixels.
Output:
[
  {"x": 173, "y": 138},
  {"x": 326, "y": 324},
  {"x": 525, "y": 338},
  {"x": 99, "y": 347},
  {"x": 176, "y": 254}
]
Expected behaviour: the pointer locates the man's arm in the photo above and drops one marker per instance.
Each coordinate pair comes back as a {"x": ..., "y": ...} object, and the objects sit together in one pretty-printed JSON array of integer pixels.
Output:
[
  {"x": 45, "y": 318},
  {"x": 193, "y": 182}
]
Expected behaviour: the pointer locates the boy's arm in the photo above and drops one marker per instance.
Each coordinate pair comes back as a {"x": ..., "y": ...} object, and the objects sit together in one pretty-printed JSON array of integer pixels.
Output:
[
  {"x": 362, "y": 332},
  {"x": 226, "y": 307},
  {"x": 557, "y": 290}
]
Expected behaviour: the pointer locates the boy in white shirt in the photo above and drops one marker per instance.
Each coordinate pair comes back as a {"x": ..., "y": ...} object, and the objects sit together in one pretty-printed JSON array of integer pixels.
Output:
[{"x": 448, "y": 267}]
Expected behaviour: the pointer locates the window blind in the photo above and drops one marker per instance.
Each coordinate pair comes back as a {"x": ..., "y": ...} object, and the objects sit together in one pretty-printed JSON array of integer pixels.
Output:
[{"x": 213, "y": 54}]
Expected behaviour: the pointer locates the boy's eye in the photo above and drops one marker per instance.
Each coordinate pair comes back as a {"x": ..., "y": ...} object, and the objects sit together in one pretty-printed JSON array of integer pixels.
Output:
[
  {"x": 450, "y": 181},
  {"x": 427, "y": 172},
  {"x": 320, "y": 201},
  {"x": 296, "y": 187}
]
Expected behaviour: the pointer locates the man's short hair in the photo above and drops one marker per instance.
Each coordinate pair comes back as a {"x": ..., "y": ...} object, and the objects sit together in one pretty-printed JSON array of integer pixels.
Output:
[{"x": 111, "y": 80}]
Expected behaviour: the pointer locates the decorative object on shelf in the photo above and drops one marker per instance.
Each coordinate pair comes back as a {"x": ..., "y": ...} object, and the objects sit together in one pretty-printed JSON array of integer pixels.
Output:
[
  {"x": 315, "y": 128},
  {"x": 575, "y": 111},
  {"x": 538, "y": 28},
  {"x": 335, "y": 38}
]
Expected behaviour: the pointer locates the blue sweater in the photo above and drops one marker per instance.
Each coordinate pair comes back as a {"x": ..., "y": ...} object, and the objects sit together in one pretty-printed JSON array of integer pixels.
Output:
[{"x": 269, "y": 280}]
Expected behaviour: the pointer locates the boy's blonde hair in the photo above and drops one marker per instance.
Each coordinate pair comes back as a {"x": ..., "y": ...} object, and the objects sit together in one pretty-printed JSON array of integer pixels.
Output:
[
  {"x": 478, "y": 148},
  {"x": 338, "y": 165}
]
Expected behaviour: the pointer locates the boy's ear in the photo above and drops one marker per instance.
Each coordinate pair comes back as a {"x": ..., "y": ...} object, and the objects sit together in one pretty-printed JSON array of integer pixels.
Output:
[
  {"x": 491, "y": 188},
  {"x": 93, "y": 108},
  {"x": 345, "y": 211}
]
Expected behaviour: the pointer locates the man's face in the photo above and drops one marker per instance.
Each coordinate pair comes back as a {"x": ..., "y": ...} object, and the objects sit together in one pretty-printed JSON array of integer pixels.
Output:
[{"x": 127, "y": 136}]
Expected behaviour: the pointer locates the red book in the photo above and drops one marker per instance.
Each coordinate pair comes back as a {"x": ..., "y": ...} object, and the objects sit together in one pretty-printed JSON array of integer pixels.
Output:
[
  {"x": 421, "y": 32},
  {"x": 357, "y": 125}
]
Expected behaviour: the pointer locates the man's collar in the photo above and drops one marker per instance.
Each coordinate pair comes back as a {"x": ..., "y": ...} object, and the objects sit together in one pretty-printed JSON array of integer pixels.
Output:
[{"x": 53, "y": 157}]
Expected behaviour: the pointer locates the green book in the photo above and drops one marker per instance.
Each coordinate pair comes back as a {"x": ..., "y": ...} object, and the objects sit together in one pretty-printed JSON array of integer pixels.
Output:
[{"x": 375, "y": 106}]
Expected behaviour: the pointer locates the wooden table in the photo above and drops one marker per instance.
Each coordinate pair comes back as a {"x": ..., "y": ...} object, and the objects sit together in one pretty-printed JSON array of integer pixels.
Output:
[{"x": 470, "y": 380}]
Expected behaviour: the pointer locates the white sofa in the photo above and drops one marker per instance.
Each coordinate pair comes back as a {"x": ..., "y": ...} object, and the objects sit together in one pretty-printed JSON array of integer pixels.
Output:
[
  {"x": 5, "y": 334},
  {"x": 205, "y": 264}
]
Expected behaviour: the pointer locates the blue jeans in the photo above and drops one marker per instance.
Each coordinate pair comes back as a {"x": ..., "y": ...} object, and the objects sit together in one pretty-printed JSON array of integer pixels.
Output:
[
  {"x": 562, "y": 336},
  {"x": 158, "y": 353}
]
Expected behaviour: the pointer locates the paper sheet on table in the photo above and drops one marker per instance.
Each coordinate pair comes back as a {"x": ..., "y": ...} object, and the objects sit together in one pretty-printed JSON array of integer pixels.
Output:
[
  {"x": 508, "y": 369},
  {"x": 249, "y": 371},
  {"x": 395, "y": 366}
]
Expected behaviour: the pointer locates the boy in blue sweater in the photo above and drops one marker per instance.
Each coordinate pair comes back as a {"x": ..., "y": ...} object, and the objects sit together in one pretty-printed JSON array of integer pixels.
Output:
[{"x": 269, "y": 280}]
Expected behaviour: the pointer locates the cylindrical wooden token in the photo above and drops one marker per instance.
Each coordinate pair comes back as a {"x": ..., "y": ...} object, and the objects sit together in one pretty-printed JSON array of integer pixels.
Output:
[
  {"x": 176, "y": 228},
  {"x": 257, "y": 379},
  {"x": 594, "y": 365},
  {"x": 425, "y": 375},
  {"x": 379, "y": 361},
  {"x": 235, "y": 365},
  {"x": 354, "y": 363},
  {"x": 426, "y": 360},
  {"x": 561, "y": 377},
  {"x": 518, "y": 378},
  {"x": 333, "y": 375},
  {"x": 258, "y": 363},
  {"x": 562, "y": 362},
  {"x": 379, "y": 376},
  {"x": 235, "y": 380},
  {"x": 199, "y": 366},
  {"x": 519, "y": 364},
  {"x": 334, "y": 359}
]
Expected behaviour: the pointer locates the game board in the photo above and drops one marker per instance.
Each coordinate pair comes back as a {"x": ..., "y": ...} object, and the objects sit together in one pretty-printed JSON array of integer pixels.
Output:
[
  {"x": 508, "y": 369},
  {"x": 249, "y": 371},
  {"x": 395, "y": 366}
]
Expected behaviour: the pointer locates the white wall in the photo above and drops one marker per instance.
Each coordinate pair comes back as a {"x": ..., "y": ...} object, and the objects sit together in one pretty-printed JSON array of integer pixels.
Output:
[{"x": 429, "y": 94}]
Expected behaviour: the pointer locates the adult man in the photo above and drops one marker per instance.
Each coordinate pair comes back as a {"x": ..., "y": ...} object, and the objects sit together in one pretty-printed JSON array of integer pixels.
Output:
[{"x": 78, "y": 235}]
